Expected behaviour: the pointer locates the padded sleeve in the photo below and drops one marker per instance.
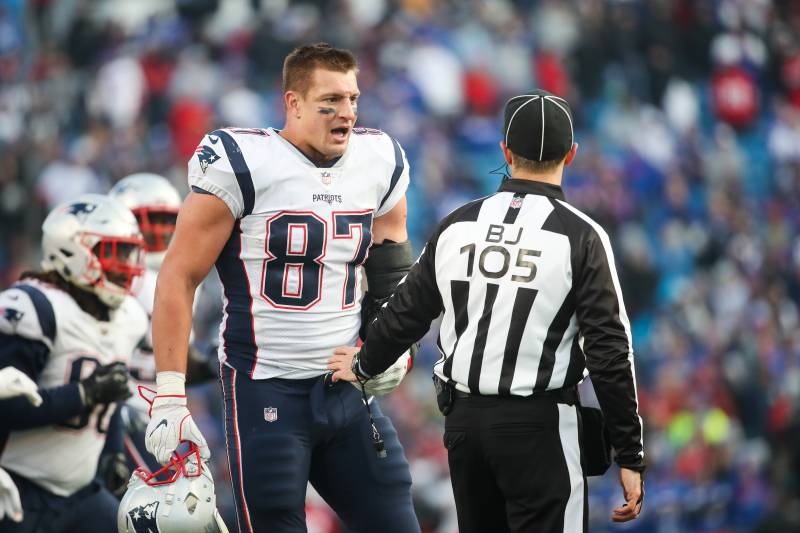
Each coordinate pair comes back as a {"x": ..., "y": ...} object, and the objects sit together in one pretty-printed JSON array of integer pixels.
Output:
[
  {"x": 211, "y": 171},
  {"x": 398, "y": 181},
  {"x": 26, "y": 312}
]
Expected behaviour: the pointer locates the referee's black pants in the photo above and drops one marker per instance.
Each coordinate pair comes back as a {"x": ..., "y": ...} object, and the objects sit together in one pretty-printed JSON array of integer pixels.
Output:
[{"x": 515, "y": 465}]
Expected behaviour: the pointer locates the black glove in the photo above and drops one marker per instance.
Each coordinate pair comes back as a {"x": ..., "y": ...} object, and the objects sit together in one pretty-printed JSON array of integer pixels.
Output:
[
  {"x": 107, "y": 384},
  {"x": 114, "y": 473}
]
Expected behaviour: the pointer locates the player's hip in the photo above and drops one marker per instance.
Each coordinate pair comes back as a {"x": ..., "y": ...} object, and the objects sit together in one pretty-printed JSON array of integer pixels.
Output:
[
  {"x": 283, "y": 359},
  {"x": 315, "y": 406}
]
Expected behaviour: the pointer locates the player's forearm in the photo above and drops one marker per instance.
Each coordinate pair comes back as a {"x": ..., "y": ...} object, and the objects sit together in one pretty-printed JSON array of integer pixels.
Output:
[
  {"x": 172, "y": 321},
  {"x": 59, "y": 404}
]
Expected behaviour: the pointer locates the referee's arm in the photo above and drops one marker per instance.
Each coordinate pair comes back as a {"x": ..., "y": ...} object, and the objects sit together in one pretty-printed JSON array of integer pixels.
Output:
[
  {"x": 607, "y": 346},
  {"x": 405, "y": 318}
]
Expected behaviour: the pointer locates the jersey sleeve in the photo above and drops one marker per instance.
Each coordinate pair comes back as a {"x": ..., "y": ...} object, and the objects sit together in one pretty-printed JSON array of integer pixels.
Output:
[
  {"x": 212, "y": 171},
  {"x": 398, "y": 182},
  {"x": 608, "y": 347},
  {"x": 26, "y": 312}
]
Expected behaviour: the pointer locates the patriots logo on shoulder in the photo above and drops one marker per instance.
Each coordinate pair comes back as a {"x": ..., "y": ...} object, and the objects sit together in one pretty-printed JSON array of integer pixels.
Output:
[
  {"x": 206, "y": 155},
  {"x": 143, "y": 518},
  {"x": 12, "y": 316}
]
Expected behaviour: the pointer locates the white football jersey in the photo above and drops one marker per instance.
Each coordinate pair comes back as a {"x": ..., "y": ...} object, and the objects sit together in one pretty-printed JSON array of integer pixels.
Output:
[
  {"x": 290, "y": 270},
  {"x": 63, "y": 458}
]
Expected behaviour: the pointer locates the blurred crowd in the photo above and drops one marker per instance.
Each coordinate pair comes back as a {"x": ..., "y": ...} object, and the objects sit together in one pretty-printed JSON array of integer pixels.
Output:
[{"x": 688, "y": 118}]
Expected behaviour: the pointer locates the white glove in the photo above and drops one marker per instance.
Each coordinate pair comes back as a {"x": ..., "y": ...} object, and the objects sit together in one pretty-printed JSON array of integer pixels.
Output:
[
  {"x": 170, "y": 420},
  {"x": 9, "y": 498},
  {"x": 390, "y": 378},
  {"x": 14, "y": 382}
]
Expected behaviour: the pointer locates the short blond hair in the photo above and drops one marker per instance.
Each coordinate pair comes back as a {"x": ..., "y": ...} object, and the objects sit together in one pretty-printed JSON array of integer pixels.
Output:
[{"x": 299, "y": 65}]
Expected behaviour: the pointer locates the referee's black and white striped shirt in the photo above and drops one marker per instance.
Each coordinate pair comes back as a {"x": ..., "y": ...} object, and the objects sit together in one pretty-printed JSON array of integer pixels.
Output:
[{"x": 530, "y": 300}]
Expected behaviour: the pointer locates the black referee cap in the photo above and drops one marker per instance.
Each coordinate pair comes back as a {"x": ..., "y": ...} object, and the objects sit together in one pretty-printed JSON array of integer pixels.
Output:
[{"x": 538, "y": 126}]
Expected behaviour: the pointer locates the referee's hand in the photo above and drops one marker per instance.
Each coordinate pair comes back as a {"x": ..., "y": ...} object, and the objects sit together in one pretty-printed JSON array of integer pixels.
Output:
[{"x": 633, "y": 490}]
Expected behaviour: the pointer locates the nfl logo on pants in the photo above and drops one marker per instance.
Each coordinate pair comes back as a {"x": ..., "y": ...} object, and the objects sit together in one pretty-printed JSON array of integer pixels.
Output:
[{"x": 270, "y": 414}]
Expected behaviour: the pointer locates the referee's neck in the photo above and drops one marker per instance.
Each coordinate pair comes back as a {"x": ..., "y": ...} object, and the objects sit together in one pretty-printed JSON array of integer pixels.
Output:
[{"x": 553, "y": 178}]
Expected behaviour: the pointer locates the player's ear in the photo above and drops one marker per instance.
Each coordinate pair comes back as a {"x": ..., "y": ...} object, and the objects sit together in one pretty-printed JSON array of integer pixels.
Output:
[{"x": 291, "y": 101}]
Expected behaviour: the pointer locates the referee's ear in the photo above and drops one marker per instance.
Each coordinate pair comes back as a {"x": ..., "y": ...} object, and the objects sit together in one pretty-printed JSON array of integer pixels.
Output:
[
  {"x": 507, "y": 154},
  {"x": 571, "y": 154}
]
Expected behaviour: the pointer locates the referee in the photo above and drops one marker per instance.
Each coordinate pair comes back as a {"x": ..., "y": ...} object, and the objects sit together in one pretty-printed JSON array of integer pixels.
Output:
[{"x": 530, "y": 299}]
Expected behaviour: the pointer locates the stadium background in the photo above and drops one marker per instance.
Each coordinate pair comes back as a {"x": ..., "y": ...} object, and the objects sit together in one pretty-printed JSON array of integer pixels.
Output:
[{"x": 688, "y": 119}]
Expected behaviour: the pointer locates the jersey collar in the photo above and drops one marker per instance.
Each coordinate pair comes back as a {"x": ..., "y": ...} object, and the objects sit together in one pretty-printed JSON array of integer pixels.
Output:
[
  {"x": 338, "y": 162},
  {"x": 532, "y": 187}
]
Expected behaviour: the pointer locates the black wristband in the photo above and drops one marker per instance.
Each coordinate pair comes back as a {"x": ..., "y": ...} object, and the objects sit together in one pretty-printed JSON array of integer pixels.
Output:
[{"x": 356, "y": 368}]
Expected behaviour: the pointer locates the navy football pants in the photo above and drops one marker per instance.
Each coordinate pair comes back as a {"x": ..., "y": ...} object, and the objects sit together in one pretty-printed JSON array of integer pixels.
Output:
[
  {"x": 93, "y": 509},
  {"x": 319, "y": 433}
]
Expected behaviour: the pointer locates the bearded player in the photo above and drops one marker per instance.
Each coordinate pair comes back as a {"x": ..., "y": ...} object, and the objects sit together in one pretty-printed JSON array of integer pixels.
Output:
[
  {"x": 70, "y": 328},
  {"x": 288, "y": 217}
]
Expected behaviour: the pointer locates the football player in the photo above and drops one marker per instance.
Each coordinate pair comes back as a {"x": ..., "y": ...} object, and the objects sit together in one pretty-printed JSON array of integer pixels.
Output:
[
  {"x": 154, "y": 202},
  {"x": 70, "y": 327},
  {"x": 288, "y": 216}
]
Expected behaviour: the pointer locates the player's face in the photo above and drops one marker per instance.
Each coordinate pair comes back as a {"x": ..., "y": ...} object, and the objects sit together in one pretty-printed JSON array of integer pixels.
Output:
[{"x": 328, "y": 111}]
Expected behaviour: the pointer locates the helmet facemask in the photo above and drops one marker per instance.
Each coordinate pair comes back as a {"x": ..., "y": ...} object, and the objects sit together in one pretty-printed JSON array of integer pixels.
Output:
[
  {"x": 188, "y": 465},
  {"x": 120, "y": 261},
  {"x": 157, "y": 225}
]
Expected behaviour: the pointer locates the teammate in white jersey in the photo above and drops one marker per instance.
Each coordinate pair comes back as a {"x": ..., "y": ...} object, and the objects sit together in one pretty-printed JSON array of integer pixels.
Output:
[
  {"x": 154, "y": 202},
  {"x": 288, "y": 217},
  {"x": 70, "y": 328}
]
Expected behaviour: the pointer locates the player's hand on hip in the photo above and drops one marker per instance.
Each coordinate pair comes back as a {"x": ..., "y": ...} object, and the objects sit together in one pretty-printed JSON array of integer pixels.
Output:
[
  {"x": 633, "y": 491},
  {"x": 170, "y": 420},
  {"x": 10, "y": 504},
  {"x": 13, "y": 382},
  {"x": 341, "y": 363}
]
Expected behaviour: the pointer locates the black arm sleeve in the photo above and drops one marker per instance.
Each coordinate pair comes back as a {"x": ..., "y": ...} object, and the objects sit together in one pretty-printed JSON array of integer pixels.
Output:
[
  {"x": 58, "y": 404},
  {"x": 607, "y": 345},
  {"x": 406, "y": 317},
  {"x": 386, "y": 266}
]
